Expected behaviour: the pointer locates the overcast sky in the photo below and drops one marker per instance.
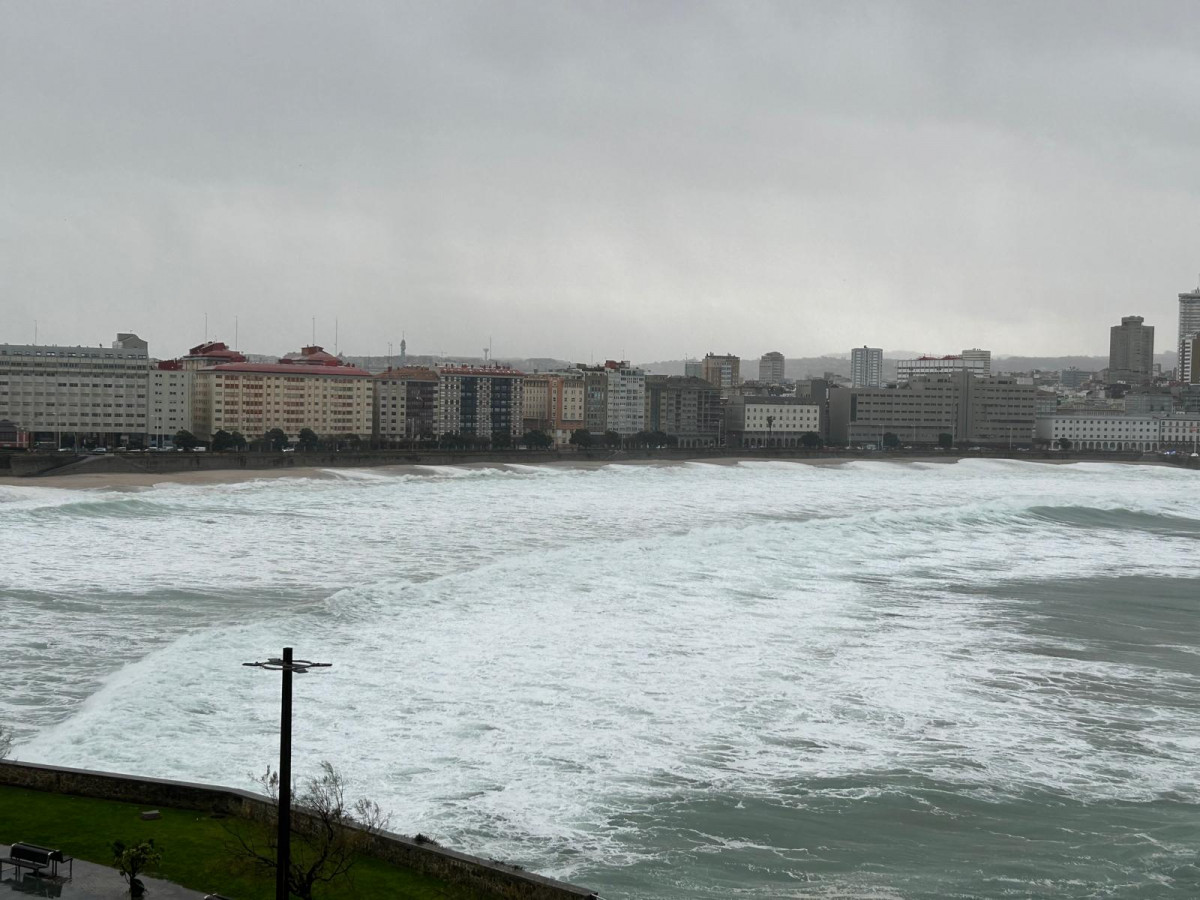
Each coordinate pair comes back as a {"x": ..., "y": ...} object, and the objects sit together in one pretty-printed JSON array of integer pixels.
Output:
[{"x": 598, "y": 179}]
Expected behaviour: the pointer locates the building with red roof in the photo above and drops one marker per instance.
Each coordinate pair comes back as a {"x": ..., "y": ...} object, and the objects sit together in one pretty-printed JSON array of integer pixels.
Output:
[{"x": 310, "y": 389}]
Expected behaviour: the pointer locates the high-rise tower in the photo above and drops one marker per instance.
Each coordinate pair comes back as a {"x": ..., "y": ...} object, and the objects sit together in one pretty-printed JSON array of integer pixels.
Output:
[
  {"x": 1189, "y": 326},
  {"x": 1131, "y": 351}
]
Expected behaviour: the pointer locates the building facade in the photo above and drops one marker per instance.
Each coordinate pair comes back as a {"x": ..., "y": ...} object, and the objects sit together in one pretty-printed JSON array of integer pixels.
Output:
[
  {"x": 866, "y": 367},
  {"x": 770, "y": 368},
  {"x": 313, "y": 390},
  {"x": 722, "y": 372},
  {"x": 404, "y": 404},
  {"x": 1189, "y": 327},
  {"x": 77, "y": 395},
  {"x": 985, "y": 411},
  {"x": 480, "y": 401},
  {"x": 170, "y": 389},
  {"x": 626, "y": 398},
  {"x": 752, "y": 422},
  {"x": 683, "y": 408},
  {"x": 1131, "y": 352},
  {"x": 976, "y": 362}
]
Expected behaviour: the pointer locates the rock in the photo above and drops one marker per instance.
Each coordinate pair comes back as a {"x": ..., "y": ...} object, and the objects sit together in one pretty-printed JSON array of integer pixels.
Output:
[{"x": 151, "y": 814}]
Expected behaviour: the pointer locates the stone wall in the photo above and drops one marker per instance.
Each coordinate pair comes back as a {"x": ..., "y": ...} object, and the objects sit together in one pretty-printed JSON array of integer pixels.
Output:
[{"x": 488, "y": 878}]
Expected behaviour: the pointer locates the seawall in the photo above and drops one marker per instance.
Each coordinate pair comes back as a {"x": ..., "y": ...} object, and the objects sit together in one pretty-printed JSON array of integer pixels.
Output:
[{"x": 489, "y": 878}]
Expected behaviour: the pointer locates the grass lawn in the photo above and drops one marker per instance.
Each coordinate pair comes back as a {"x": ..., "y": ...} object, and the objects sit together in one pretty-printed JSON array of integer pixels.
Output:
[{"x": 196, "y": 848}]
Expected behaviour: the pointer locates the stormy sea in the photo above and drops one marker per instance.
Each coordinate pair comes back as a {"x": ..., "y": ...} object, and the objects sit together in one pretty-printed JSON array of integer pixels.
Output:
[{"x": 761, "y": 680}]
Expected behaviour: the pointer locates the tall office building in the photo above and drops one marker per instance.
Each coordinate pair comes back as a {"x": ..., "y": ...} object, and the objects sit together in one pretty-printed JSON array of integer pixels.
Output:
[
  {"x": 866, "y": 367},
  {"x": 770, "y": 368},
  {"x": 1189, "y": 326},
  {"x": 1131, "y": 352}
]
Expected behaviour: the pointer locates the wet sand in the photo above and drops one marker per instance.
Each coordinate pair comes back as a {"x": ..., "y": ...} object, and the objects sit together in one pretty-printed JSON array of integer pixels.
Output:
[{"x": 125, "y": 480}]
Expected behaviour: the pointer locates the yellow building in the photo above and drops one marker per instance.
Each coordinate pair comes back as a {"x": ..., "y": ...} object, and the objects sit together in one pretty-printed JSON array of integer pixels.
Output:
[{"x": 312, "y": 389}]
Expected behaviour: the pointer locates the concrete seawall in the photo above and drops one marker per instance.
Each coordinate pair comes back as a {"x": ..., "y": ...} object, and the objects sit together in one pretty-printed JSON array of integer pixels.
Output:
[{"x": 488, "y": 878}]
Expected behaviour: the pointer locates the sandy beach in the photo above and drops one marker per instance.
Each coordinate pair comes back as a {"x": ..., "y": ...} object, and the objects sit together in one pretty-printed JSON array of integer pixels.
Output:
[{"x": 127, "y": 480}]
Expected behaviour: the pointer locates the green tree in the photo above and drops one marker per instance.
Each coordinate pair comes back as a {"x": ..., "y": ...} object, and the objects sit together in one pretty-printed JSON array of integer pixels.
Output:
[
  {"x": 186, "y": 440},
  {"x": 348, "y": 441},
  {"x": 810, "y": 440},
  {"x": 222, "y": 440},
  {"x": 1064, "y": 444},
  {"x": 659, "y": 438},
  {"x": 501, "y": 440},
  {"x": 308, "y": 440},
  {"x": 238, "y": 440},
  {"x": 945, "y": 440},
  {"x": 537, "y": 440},
  {"x": 612, "y": 440},
  {"x": 134, "y": 859},
  {"x": 581, "y": 438},
  {"x": 890, "y": 441},
  {"x": 328, "y": 833},
  {"x": 276, "y": 439}
]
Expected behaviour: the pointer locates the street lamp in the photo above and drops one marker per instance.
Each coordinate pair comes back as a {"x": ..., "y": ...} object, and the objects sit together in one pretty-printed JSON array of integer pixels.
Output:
[{"x": 283, "y": 860}]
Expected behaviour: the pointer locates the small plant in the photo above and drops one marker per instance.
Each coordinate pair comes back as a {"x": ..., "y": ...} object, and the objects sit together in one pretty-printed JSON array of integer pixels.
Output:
[{"x": 130, "y": 861}]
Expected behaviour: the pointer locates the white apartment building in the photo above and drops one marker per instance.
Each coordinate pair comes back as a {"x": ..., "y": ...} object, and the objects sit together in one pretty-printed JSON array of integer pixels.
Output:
[
  {"x": 80, "y": 394},
  {"x": 626, "y": 398},
  {"x": 866, "y": 367},
  {"x": 977, "y": 362},
  {"x": 170, "y": 388},
  {"x": 1189, "y": 327},
  {"x": 760, "y": 421}
]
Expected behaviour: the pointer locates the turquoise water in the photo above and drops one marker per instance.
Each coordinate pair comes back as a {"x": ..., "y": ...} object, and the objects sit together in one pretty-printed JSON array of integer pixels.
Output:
[{"x": 766, "y": 680}]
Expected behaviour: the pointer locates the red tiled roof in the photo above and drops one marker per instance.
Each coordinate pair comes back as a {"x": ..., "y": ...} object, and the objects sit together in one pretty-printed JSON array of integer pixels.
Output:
[{"x": 288, "y": 368}]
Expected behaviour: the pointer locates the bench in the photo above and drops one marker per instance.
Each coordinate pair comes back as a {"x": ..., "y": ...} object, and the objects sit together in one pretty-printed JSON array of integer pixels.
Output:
[{"x": 35, "y": 858}]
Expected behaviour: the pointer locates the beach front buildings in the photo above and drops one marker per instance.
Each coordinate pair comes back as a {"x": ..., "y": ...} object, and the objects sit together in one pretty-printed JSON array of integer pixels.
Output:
[
  {"x": 687, "y": 409},
  {"x": 312, "y": 389},
  {"x": 404, "y": 406},
  {"x": 74, "y": 395},
  {"x": 480, "y": 402}
]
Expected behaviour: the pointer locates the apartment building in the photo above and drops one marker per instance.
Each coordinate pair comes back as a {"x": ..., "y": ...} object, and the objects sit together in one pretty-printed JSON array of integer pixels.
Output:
[
  {"x": 554, "y": 404},
  {"x": 170, "y": 389},
  {"x": 687, "y": 409},
  {"x": 73, "y": 395},
  {"x": 625, "y": 398},
  {"x": 770, "y": 368},
  {"x": 764, "y": 421},
  {"x": 312, "y": 389},
  {"x": 723, "y": 372},
  {"x": 866, "y": 367},
  {"x": 404, "y": 405},
  {"x": 481, "y": 401}
]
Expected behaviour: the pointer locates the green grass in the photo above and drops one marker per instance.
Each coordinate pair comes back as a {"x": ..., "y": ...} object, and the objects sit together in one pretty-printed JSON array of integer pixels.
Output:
[{"x": 198, "y": 850}]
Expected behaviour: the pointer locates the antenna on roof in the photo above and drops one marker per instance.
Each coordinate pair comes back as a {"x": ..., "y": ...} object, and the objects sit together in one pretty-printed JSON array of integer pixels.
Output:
[
  {"x": 314, "y": 331},
  {"x": 335, "y": 336},
  {"x": 235, "y": 332}
]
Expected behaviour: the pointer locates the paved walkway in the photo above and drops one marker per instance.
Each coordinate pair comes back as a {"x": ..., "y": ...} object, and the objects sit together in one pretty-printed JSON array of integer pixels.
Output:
[{"x": 88, "y": 881}]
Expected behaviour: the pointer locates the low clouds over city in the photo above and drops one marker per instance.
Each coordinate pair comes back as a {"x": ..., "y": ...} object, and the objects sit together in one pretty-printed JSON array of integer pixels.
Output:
[{"x": 643, "y": 180}]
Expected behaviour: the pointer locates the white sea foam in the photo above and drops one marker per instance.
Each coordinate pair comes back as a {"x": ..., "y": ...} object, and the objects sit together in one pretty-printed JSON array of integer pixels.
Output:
[{"x": 522, "y": 659}]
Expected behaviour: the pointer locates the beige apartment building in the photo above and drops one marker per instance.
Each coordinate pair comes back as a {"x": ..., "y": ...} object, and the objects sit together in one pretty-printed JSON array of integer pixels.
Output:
[
  {"x": 312, "y": 389},
  {"x": 553, "y": 403}
]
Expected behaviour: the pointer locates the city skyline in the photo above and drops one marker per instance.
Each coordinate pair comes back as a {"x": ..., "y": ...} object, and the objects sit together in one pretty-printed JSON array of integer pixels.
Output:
[{"x": 601, "y": 180}]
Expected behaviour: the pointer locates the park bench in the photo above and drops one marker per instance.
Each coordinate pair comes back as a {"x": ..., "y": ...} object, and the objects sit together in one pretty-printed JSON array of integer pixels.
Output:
[{"x": 35, "y": 858}]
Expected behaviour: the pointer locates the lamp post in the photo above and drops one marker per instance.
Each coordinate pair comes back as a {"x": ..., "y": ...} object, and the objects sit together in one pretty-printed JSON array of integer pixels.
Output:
[{"x": 283, "y": 859}]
